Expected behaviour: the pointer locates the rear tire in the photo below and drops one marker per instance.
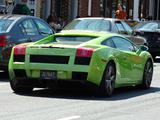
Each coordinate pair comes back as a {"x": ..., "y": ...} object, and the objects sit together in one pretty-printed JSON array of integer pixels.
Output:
[
  {"x": 147, "y": 75},
  {"x": 154, "y": 57},
  {"x": 20, "y": 88},
  {"x": 108, "y": 82}
]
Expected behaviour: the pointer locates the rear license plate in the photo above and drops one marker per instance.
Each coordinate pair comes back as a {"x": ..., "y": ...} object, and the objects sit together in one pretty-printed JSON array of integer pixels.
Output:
[{"x": 48, "y": 75}]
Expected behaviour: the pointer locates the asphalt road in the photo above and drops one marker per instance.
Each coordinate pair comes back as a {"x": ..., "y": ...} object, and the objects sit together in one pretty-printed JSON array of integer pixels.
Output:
[{"x": 81, "y": 104}]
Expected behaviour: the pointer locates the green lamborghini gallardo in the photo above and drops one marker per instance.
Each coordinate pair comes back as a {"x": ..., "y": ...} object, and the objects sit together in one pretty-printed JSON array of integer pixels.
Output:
[{"x": 102, "y": 59}]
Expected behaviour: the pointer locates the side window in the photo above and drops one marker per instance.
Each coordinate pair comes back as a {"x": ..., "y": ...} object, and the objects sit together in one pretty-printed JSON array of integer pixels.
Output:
[
  {"x": 105, "y": 25},
  {"x": 127, "y": 27},
  {"x": 28, "y": 27},
  {"x": 120, "y": 27},
  {"x": 43, "y": 27},
  {"x": 109, "y": 43},
  {"x": 123, "y": 44}
]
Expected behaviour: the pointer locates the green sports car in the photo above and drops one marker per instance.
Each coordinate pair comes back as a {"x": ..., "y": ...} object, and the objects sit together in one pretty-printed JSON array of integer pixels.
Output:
[{"x": 102, "y": 59}]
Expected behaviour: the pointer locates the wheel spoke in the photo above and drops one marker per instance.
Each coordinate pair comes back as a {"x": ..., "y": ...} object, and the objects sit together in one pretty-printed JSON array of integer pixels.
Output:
[
  {"x": 109, "y": 72},
  {"x": 148, "y": 74},
  {"x": 110, "y": 79}
]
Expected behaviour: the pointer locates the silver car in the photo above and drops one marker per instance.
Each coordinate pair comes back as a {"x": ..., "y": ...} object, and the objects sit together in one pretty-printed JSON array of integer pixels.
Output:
[{"x": 105, "y": 24}]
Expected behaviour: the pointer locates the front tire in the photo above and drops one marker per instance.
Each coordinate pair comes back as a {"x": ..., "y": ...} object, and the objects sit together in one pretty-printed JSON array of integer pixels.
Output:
[
  {"x": 20, "y": 88},
  {"x": 108, "y": 82},
  {"x": 147, "y": 75}
]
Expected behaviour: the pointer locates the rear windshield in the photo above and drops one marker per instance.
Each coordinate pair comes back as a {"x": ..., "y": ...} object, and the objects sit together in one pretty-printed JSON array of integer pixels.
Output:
[
  {"x": 73, "y": 38},
  {"x": 151, "y": 26},
  {"x": 89, "y": 24},
  {"x": 4, "y": 24}
]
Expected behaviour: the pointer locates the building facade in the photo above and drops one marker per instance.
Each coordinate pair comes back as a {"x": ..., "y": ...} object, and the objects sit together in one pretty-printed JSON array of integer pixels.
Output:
[
  {"x": 135, "y": 9},
  {"x": 155, "y": 11},
  {"x": 70, "y": 9}
]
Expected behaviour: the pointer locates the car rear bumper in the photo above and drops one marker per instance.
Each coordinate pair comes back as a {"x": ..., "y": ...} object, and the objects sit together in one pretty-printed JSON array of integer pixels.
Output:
[
  {"x": 24, "y": 80},
  {"x": 64, "y": 73}
]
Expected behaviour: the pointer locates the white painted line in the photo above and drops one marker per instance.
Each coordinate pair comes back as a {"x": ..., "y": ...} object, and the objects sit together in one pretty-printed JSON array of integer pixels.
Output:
[
  {"x": 4, "y": 83},
  {"x": 69, "y": 118}
]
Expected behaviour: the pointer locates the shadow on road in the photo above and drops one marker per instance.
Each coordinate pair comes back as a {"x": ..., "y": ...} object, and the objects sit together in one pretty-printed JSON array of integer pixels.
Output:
[
  {"x": 157, "y": 60},
  {"x": 4, "y": 76},
  {"x": 85, "y": 94}
]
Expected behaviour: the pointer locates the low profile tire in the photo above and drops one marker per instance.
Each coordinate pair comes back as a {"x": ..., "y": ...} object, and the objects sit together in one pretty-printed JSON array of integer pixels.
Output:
[
  {"x": 154, "y": 57},
  {"x": 19, "y": 88},
  {"x": 147, "y": 75},
  {"x": 108, "y": 82}
]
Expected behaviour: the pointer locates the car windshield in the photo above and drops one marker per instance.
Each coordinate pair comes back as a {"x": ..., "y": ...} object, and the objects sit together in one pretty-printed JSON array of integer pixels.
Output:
[
  {"x": 89, "y": 24},
  {"x": 4, "y": 24},
  {"x": 148, "y": 26},
  {"x": 73, "y": 38}
]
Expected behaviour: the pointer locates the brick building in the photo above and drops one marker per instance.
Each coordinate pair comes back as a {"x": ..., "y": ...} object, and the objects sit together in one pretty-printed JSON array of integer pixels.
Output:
[{"x": 70, "y": 9}]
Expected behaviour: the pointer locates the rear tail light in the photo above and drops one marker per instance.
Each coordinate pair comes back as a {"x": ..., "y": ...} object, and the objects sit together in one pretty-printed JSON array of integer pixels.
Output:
[
  {"x": 84, "y": 52},
  {"x": 3, "y": 40},
  {"x": 20, "y": 50}
]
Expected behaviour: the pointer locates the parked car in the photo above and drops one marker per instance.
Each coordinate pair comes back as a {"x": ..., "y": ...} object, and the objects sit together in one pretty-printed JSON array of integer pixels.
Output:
[
  {"x": 16, "y": 29},
  {"x": 107, "y": 61},
  {"x": 105, "y": 24},
  {"x": 151, "y": 31}
]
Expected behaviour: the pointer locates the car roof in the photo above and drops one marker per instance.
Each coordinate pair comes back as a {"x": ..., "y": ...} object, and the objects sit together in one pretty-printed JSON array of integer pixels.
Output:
[
  {"x": 103, "y": 18},
  {"x": 15, "y": 17}
]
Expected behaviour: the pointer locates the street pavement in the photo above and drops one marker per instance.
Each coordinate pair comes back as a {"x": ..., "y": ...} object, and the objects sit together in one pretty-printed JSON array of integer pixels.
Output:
[{"x": 81, "y": 104}]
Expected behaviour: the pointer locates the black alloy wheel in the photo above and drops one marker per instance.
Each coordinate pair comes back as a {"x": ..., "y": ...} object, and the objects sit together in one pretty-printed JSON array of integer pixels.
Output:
[
  {"x": 147, "y": 75},
  {"x": 108, "y": 82}
]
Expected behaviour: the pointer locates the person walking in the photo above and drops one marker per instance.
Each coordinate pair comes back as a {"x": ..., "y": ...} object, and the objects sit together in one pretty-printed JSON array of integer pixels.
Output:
[
  {"x": 53, "y": 22},
  {"x": 120, "y": 13}
]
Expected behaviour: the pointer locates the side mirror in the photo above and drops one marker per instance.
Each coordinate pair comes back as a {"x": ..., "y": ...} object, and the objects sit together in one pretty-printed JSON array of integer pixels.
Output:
[
  {"x": 142, "y": 48},
  {"x": 134, "y": 33}
]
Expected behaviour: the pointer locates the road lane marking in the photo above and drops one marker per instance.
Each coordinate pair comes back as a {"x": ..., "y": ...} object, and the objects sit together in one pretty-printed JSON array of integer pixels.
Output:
[
  {"x": 4, "y": 83},
  {"x": 69, "y": 118}
]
